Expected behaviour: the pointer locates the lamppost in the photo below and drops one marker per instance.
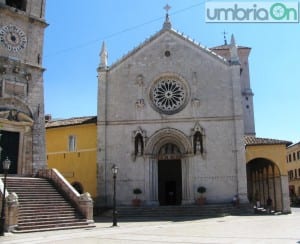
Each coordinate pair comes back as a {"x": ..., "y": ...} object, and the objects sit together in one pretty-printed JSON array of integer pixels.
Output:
[
  {"x": 6, "y": 165},
  {"x": 114, "y": 170}
]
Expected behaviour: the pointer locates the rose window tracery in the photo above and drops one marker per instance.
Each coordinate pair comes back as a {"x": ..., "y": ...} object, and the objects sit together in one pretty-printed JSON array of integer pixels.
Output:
[{"x": 169, "y": 95}]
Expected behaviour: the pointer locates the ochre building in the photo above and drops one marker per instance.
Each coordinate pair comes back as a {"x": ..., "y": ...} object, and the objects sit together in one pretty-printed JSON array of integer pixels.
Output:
[
  {"x": 71, "y": 149},
  {"x": 267, "y": 172},
  {"x": 293, "y": 168}
]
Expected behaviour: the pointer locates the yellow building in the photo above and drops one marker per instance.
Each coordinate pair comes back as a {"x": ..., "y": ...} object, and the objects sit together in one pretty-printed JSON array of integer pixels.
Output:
[
  {"x": 293, "y": 168},
  {"x": 71, "y": 148},
  {"x": 267, "y": 172}
]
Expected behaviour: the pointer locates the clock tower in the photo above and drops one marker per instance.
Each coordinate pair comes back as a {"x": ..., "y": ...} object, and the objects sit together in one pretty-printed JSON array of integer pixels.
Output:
[{"x": 22, "y": 25}]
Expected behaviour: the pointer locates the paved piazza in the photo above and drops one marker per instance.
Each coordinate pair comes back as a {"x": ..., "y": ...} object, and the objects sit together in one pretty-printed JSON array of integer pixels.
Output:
[{"x": 230, "y": 229}]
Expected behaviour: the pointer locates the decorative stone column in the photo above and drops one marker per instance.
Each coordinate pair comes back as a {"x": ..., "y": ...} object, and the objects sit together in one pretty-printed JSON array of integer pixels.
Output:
[
  {"x": 186, "y": 185},
  {"x": 86, "y": 206},
  {"x": 153, "y": 178},
  {"x": 12, "y": 212}
]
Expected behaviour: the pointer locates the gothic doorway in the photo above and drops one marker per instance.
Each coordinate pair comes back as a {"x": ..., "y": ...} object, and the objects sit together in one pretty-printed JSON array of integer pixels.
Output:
[
  {"x": 169, "y": 175},
  {"x": 169, "y": 182},
  {"x": 9, "y": 143}
]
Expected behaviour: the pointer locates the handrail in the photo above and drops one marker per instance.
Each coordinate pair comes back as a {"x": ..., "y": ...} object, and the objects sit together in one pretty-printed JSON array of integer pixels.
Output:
[{"x": 83, "y": 202}]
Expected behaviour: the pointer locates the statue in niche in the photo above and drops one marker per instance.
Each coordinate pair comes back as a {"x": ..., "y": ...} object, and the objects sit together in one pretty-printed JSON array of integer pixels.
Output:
[
  {"x": 139, "y": 145},
  {"x": 198, "y": 143}
]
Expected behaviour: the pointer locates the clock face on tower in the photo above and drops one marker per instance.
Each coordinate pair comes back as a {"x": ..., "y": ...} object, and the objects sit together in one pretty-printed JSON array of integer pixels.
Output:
[{"x": 13, "y": 38}]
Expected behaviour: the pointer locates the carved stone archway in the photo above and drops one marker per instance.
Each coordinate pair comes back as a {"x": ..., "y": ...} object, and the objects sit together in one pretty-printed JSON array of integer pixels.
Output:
[
  {"x": 17, "y": 120},
  {"x": 153, "y": 151}
]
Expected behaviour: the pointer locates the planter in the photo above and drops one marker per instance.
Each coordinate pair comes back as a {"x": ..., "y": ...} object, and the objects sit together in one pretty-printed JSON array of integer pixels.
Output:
[
  {"x": 201, "y": 200},
  {"x": 136, "y": 202}
]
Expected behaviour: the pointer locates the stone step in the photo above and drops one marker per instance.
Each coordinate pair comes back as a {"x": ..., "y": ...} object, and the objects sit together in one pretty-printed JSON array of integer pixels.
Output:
[
  {"x": 50, "y": 226},
  {"x": 28, "y": 199},
  {"x": 49, "y": 219},
  {"x": 53, "y": 228},
  {"x": 42, "y": 201},
  {"x": 37, "y": 214},
  {"x": 33, "y": 190},
  {"x": 209, "y": 210},
  {"x": 48, "y": 215},
  {"x": 42, "y": 207}
]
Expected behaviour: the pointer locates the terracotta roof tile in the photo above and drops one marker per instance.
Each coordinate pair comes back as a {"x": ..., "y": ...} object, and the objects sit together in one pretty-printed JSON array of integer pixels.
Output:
[
  {"x": 252, "y": 140},
  {"x": 71, "y": 121}
]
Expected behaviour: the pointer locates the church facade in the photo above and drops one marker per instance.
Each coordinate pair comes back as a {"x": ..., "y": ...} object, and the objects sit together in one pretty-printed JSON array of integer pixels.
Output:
[
  {"x": 172, "y": 116},
  {"x": 22, "y": 24}
]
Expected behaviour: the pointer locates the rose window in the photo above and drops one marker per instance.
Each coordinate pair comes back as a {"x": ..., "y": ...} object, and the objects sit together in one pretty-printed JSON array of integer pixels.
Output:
[{"x": 169, "y": 95}]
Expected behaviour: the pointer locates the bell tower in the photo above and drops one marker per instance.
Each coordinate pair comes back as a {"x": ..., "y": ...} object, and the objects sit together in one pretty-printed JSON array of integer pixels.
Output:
[{"x": 22, "y": 25}]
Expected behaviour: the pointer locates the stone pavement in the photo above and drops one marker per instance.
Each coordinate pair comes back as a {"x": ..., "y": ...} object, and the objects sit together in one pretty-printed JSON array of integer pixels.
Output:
[{"x": 230, "y": 229}]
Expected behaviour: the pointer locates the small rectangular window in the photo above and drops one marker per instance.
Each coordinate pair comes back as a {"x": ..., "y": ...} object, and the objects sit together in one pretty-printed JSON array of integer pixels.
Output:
[
  {"x": 72, "y": 143},
  {"x": 294, "y": 156},
  {"x": 290, "y": 158},
  {"x": 295, "y": 173},
  {"x": 298, "y": 155}
]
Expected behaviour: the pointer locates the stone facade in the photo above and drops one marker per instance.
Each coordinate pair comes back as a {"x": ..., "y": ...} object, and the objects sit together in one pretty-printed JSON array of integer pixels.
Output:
[
  {"x": 22, "y": 25},
  {"x": 170, "y": 116}
]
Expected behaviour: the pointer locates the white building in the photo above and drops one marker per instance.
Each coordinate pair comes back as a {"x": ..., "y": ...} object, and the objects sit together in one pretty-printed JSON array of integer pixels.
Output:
[{"x": 171, "y": 116}]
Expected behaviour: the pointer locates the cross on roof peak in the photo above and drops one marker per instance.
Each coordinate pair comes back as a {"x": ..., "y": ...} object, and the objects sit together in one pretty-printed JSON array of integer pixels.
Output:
[
  {"x": 167, "y": 23},
  {"x": 167, "y": 8}
]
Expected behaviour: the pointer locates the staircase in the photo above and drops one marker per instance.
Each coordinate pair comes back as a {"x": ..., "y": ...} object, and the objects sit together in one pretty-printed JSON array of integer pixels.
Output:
[
  {"x": 42, "y": 207},
  {"x": 183, "y": 211}
]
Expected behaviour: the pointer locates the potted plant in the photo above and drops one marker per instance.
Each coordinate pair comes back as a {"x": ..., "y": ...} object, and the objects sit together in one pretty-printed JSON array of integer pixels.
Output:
[
  {"x": 201, "y": 199},
  {"x": 136, "y": 201}
]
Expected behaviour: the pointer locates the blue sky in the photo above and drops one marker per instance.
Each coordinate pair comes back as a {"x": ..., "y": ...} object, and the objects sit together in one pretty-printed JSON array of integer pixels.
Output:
[{"x": 77, "y": 28}]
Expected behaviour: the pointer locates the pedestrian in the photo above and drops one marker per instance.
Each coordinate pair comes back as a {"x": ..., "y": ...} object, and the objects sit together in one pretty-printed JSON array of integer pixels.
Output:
[{"x": 269, "y": 204}]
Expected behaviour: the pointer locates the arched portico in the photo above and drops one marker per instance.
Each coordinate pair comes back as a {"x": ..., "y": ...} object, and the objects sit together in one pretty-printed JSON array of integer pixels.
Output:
[
  {"x": 169, "y": 147},
  {"x": 264, "y": 181},
  {"x": 266, "y": 172}
]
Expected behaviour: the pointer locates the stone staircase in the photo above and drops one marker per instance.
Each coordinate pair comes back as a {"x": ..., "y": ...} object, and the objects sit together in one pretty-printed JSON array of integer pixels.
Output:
[
  {"x": 42, "y": 207},
  {"x": 180, "y": 211}
]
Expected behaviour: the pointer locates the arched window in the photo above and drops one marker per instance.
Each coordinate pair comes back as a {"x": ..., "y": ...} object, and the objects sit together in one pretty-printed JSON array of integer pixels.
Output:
[
  {"x": 78, "y": 187},
  {"x": 18, "y": 4}
]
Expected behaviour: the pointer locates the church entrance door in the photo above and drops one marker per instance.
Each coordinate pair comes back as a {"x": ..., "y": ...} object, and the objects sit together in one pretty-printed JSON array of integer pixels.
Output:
[
  {"x": 9, "y": 143},
  {"x": 169, "y": 182}
]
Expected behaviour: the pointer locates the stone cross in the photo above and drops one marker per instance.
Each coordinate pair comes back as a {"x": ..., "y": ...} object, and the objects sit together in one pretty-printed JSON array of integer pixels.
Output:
[{"x": 167, "y": 8}]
